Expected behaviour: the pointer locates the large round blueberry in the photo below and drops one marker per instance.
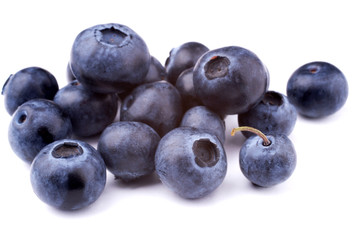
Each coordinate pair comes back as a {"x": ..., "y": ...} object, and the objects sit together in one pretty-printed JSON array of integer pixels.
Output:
[
  {"x": 68, "y": 174},
  {"x": 204, "y": 119},
  {"x": 128, "y": 149},
  {"x": 267, "y": 165},
  {"x": 230, "y": 80},
  {"x": 191, "y": 162},
  {"x": 90, "y": 113},
  {"x": 183, "y": 57},
  {"x": 28, "y": 83},
  {"x": 109, "y": 58},
  {"x": 273, "y": 115},
  {"x": 34, "y": 125},
  {"x": 317, "y": 89},
  {"x": 157, "y": 104}
]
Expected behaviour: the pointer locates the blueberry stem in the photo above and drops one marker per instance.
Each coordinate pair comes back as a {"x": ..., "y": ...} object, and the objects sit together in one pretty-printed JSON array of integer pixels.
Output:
[{"x": 253, "y": 130}]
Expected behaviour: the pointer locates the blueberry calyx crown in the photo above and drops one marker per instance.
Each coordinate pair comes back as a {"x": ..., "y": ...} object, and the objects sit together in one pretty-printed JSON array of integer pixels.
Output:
[
  {"x": 206, "y": 153},
  {"x": 217, "y": 67},
  {"x": 112, "y": 36},
  {"x": 67, "y": 150},
  {"x": 266, "y": 141},
  {"x": 272, "y": 98}
]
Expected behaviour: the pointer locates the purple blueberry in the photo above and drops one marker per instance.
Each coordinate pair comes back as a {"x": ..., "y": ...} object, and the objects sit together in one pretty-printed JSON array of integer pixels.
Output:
[
  {"x": 157, "y": 104},
  {"x": 190, "y": 162},
  {"x": 317, "y": 89},
  {"x": 204, "y": 119},
  {"x": 128, "y": 149},
  {"x": 230, "y": 80},
  {"x": 68, "y": 174},
  {"x": 273, "y": 115},
  {"x": 183, "y": 57},
  {"x": 28, "y": 83},
  {"x": 90, "y": 113},
  {"x": 109, "y": 58},
  {"x": 185, "y": 86},
  {"x": 34, "y": 125}
]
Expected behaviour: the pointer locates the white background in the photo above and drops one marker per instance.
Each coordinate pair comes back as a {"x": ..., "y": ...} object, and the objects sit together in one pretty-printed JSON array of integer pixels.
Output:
[{"x": 320, "y": 200}]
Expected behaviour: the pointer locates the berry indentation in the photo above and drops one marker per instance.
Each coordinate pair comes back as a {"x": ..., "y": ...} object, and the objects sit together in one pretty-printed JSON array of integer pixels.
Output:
[
  {"x": 206, "y": 153},
  {"x": 217, "y": 67},
  {"x": 112, "y": 36},
  {"x": 67, "y": 150}
]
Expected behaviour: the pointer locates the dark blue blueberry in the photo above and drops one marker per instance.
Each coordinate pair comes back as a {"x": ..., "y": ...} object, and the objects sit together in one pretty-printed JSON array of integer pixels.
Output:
[
  {"x": 34, "y": 125},
  {"x": 230, "y": 80},
  {"x": 183, "y": 57},
  {"x": 90, "y": 113},
  {"x": 28, "y": 83},
  {"x": 156, "y": 71},
  {"x": 185, "y": 86},
  {"x": 273, "y": 115},
  {"x": 317, "y": 89},
  {"x": 204, "y": 119},
  {"x": 266, "y": 166},
  {"x": 192, "y": 163},
  {"x": 109, "y": 58},
  {"x": 128, "y": 149},
  {"x": 157, "y": 104},
  {"x": 68, "y": 174}
]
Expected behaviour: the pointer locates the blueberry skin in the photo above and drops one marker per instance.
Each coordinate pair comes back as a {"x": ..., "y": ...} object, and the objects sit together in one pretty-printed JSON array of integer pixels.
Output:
[
  {"x": 204, "y": 119},
  {"x": 109, "y": 58},
  {"x": 128, "y": 149},
  {"x": 90, "y": 113},
  {"x": 190, "y": 162},
  {"x": 183, "y": 57},
  {"x": 34, "y": 125},
  {"x": 230, "y": 80},
  {"x": 266, "y": 166},
  {"x": 69, "y": 74},
  {"x": 185, "y": 86},
  {"x": 317, "y": 89},
  {"x": 28, "y": 83},
  {"x": 273, "y": 115},
  {"x": 68, "y": 174},
  {"x": 157, "y": 104},
  {"x": 156, "y": 71}
]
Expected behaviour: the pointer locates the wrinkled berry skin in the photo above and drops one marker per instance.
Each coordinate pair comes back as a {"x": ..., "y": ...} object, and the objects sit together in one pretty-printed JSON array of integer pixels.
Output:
[
  {"x": 90, "y": 113},
  {"x": 68, "y": 174},
  {"x": 317, "y": 89},
  {"x": 183, "y": 57},
  {"x": 34, "y": 125},
  {"x": 204, "y": 119},
  {"x": 266, "y": 166},
  {"x": 273, "y": 115},
  {"x": 109, "y": 58},
  {"x": 230, "y": 80},
  {"x": 190, "y": 162},
  {"x": 185, "y": 86},
  {"x": 157, "y": 104},
  {"x": 128, "y": 149},
  {"x": 28, "y": 83}
]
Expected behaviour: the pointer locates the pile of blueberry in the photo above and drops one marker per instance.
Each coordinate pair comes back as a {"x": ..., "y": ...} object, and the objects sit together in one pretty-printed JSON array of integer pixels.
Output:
[{"x": 171, "y": 117}]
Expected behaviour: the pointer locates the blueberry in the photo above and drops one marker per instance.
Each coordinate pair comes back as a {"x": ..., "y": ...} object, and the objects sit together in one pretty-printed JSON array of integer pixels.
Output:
[
  {"x": 273, "y": 115},
  {"x": 204, "y": 119},
  {"x": 267, "y": 160},
  {"x": 185, "y": 86},
  {"x": 230, "y": 80},
  {"x": 190, "y": 162},
  {"x": 317, "y": 89},
  {"x": 128, "y": 149},
  {"x": 34, "y": 125},
  {"x": 183, "y": 57},
  {"x": 69, "y": 74},
  {"x": 157, "y": 104},
  {"x": 90, "y": 113},
  {"x": 68, "y": 174},
  {"x": 109, "y": 58},
  {"x": 156, "y": 71},
  {"x": 28, "y": 83}
]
